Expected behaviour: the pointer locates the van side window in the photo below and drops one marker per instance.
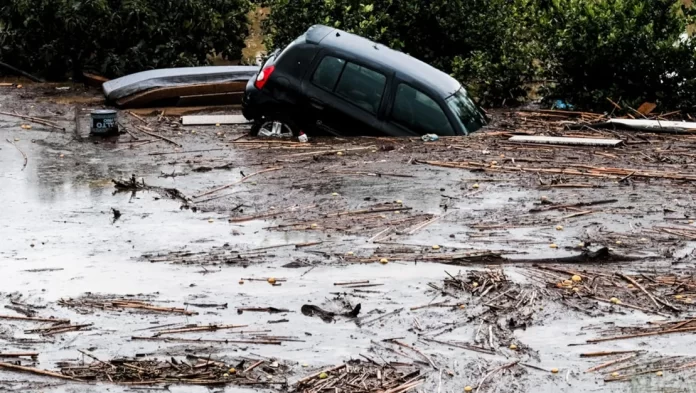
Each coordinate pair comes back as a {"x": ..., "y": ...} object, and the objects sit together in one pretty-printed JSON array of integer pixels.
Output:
[
  {"x": 327, "y": 72},
  {"x": 415, "y": 110},
  {"x": 362, "y": 87}
]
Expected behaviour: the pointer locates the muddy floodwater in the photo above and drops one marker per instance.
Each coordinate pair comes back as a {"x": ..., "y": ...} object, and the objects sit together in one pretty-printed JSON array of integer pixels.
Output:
[{"x": 475, "y": 262}]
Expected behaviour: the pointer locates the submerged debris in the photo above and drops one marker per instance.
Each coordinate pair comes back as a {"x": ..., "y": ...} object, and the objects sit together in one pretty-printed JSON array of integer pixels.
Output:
[{"x": 360, "y": 376}]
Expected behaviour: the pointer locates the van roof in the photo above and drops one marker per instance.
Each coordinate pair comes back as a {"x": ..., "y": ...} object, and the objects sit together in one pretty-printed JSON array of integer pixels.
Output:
[{"x": 400, "y": 62}]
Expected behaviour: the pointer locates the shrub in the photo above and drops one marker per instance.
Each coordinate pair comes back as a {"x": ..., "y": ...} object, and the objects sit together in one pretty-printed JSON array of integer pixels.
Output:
[
  {"x": 630, "y": 49},
  {"x": 116, "y": 37}
]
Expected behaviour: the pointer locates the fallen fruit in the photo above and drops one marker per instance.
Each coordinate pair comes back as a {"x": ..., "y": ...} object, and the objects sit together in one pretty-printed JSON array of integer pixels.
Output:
[
  {"x": 305, "y": 365},
  {"x": 384, "y": 261},
  {"x": 461, "y": 306},
  {"x": 678, "y": 296},
  {"x": 581, "y": 244},
  {"x": 217, "y": 125},
  {"x": 544, "y": 198},
  {"x": 614, "y": 374},
  {"x": 553, "y": 245},
  {"x": 630, "y": 286},
  {"x": 619, "y": 242},
  {"x": 314, "y": 225},
  {"x": 475, "y": 185},
  {"x": 576, "y": 289},
  {"x": 615, "y": 300},
  {"x": 323, "y": 376},
  {"x": 241, "y": 282},
  {"x": 475, "y": 284},
  {"x": 559, "y": 227},
  {"x": 398, "y": 201},
  {"x": 513, "y": 347},
  {"x": 659, "y": 373},
  {"x": 576, "y": 278},
  {"x": 468, "y": 389},
  {"x": 567, "y": 282},
  {"x": 210, "y": 220},
  {"x": 232, "y": 370},
  {"x": 334, "y": 194},
  {"x": 340, "y": 153},
  {"x": 350, "y": 253},
  {"x": 554, "y": 370},
  {"x": 271, "y": 280},
  {"x": 225, "y": 375},
  {"x": 436, "y": 247}
]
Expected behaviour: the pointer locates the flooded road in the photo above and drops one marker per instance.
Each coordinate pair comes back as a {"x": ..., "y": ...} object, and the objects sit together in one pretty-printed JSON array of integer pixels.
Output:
[{"x": 305, "y": 226}]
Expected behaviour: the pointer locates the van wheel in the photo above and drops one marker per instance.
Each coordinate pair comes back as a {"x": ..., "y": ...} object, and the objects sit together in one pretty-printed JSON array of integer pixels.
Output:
[{"x": 275, "y": 127}]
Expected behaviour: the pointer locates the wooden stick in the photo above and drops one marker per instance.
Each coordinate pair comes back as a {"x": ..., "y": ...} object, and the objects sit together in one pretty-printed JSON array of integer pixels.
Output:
[
  {"x": 141, "y": 129},
  {"x": 35, "y": 120},
  {"x": 19, "y": 354},
  {"x": 26, "y": 160},
  {"x": 253, "y": 366},
  {"x": 605, "y": 353},
  {"x": 245, "y": 178},
  {"x": 127, "y": 304},
  {"x": 321, "y": 153},
  {"x": 603, "y": 339},
  {"x": 612, "y": 362},
  {"x": 192, "y": 340},
  {"x": 37, "y": 371},
  {"x": 460, "y": 345},
  {"x": 137, "y": 117},
  {"x": 36, "y": 319},
  {"x": 495, "y": 371},
  {"x": 210, "y": 328},
  {"x": 637, "y": 285},
  {"x": 328, "y": 370},
  {"x": 426, "y": 357},
  {"x": 352, "y": 282},
  {"x": 95, "y": 358},
  {"x": 577, "y": 214},
  {"x": 645, "y": 310}
]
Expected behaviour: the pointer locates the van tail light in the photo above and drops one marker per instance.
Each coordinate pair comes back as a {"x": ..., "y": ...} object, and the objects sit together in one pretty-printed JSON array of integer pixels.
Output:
[{"x": 263, "y": 76}]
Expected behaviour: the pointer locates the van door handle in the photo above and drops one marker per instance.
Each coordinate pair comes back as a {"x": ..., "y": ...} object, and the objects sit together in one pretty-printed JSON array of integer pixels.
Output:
[{"x": 316, "y": 104}]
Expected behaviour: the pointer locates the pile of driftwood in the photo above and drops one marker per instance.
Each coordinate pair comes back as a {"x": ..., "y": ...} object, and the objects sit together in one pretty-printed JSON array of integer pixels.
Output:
[
  {"x": 378, "y": 220},
  {"x": 194, "y": 370},
  {"x": 622, "y": 366},
  {"x": 120, "y": 304},
  {"x": 224, "y": 255},
  {"x": 361, "y": 377},
  {"x": 652, "y": 294}
]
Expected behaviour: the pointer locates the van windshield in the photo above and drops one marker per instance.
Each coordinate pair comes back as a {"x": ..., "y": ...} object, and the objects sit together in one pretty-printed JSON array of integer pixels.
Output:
[{"x": 466, "y": 111}]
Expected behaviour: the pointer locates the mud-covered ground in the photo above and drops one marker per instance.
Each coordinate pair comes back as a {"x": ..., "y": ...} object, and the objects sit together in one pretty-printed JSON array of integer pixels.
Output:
[{"x": 461, "y": 254}]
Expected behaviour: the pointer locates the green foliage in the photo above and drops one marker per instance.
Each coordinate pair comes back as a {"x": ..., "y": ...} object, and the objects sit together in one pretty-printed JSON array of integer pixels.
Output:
[
  {"x": 589, "y": 50},
  {"x": 628, "y": 49},
  {"x": 116, "y": 37}
]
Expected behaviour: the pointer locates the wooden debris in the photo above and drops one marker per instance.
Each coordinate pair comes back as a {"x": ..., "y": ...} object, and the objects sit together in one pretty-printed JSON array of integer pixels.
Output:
[
  {"x": 552, "y": 140},
  {"x": 198, "y": 370},
  {"x": 35, "y": 319},
  {"x": 359, "y": 376},
  {"x": 208, "y": 328},
  {"x": 37, "y": 371},
  {"x": 113, "y": 304}
]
